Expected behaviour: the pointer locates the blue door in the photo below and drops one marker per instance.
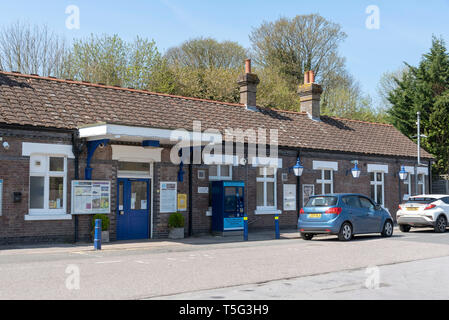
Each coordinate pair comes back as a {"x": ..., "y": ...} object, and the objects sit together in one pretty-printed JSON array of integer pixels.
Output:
[{"x": 133, "y": 209}]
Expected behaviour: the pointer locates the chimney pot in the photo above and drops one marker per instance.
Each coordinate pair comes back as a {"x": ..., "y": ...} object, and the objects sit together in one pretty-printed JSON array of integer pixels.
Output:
[
  {"x": 248, "y": 66},
  {"x": 306, "y": 77},
  {"x": 312, "y": 77},
  {"x": 248, "y": 86},
  {"x": 310, "y": 95}
]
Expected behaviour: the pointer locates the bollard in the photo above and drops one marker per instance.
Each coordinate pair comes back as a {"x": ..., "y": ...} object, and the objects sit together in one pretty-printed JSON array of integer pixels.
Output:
[
  {"x": 278, "y": 232},
  {"x": 245, "y": 228},
  {"x": 98, "y": 229}
]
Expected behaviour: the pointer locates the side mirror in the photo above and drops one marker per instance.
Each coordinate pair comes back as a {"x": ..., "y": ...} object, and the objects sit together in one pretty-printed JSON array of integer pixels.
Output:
[{"x": 378, "y": 207}]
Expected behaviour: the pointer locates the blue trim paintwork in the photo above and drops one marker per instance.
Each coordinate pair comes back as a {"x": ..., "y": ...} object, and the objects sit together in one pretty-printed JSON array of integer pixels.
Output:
[
  {"x": 92, "y": 146},
  {"x": 232, "y": 220},
  {"x": 151, "y": 144},
  {"x": 134, "y": 224}
]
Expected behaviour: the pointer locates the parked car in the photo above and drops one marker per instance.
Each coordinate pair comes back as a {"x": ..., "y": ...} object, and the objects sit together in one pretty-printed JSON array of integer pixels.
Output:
[
  {"x": 344, "y": 215},
  {"x": 424, "y": 211}
]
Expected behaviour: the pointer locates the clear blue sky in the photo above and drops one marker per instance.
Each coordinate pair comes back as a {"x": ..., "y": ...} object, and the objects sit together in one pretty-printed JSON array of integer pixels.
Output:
[{"x": 406, "y": 26}]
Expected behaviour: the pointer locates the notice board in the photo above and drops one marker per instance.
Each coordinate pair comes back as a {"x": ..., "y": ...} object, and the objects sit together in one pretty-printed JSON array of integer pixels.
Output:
[
  {"x": 168, "y": 197},
  {"x": 91, "y": 197}
]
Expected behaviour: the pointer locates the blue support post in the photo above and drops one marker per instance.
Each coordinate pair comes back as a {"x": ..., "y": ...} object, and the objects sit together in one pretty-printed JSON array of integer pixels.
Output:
[
  {"x": 245, "y": 228},
  {"x": 278, "y": 232},
  {"x": 98, "y": 229}
]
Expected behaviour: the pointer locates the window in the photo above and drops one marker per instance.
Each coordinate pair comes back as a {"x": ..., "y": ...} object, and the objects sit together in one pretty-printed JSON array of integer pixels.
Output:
[
  {"x": 322, "y": 202},
  {"x": 48, "y": 180},
  {"x": 408, "y": 186},
  {"x": 266, "y": 189},
  {"x": 421, "y": 184},
  {"x": 220, "y": 172},
  {"x": 326, "y": 183},
  {"x": 366, "y": 203},
  {"x": 378, "y": 187},
  {"x": 352, "y": 201}
]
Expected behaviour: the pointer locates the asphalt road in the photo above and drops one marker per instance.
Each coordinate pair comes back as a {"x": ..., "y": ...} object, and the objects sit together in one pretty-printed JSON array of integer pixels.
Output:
[{"x": 274, "y": 269}]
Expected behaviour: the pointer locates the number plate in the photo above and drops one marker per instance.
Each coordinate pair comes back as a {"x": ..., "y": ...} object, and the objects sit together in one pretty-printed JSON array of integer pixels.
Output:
[
  {"x": 315, "y": 216},
  {"x": 412, "y": 209}
]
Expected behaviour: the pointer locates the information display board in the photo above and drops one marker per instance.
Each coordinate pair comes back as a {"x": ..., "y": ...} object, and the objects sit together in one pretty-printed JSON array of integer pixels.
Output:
[
  {"x": 168, "y": 197},
  {"x": 91, "y": 197},
  {"x": 289, "y": 197}
]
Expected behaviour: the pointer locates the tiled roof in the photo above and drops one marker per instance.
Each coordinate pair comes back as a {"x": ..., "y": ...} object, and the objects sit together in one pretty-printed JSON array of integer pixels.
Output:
[{"x": 55, "y": 103}]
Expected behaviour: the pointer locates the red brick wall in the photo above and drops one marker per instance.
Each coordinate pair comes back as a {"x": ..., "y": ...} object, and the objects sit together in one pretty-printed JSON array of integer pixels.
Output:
[{"x": 14, "y": 170}]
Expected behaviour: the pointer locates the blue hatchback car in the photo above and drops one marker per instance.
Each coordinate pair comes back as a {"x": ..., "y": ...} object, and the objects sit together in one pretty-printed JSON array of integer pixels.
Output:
[{"x": 344, "y": 215}]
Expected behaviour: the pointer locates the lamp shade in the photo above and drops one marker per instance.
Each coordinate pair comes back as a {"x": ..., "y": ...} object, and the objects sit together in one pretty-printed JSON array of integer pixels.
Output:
[
  {"x": 298, "y": 169},
  {"x": 356, "y": 172},
  {"x": 403, "y": 174}
]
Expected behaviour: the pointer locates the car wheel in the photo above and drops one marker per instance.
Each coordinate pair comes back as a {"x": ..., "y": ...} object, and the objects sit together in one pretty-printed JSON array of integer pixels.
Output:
[
  {"x": 405, "y": 228},
  {"x": 387, "y": 231},
  {"x": 307, "y": 236},
  {"x": 441, "y": 224},
  {"x": 345, "y": 232}
]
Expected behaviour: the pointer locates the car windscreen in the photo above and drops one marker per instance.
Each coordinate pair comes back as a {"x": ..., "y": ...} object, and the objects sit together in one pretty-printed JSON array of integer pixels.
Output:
[
  {"x": 322, "y": 202},
  {"x": 421, "y": 200}
]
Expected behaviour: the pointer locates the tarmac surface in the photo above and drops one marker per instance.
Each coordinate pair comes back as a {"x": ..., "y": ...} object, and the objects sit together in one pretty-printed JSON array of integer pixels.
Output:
[{"x": 227, "y": 268}]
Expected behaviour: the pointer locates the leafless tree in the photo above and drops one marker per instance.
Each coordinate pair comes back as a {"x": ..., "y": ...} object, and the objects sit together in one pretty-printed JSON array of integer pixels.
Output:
[{"x": 32, "y": 50}]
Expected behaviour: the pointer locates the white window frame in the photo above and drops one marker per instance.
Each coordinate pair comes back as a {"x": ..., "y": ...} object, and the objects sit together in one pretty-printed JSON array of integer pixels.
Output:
[
  {"x": 408, "y": 184},
  {"x": 265, "y": 179},
  {"x": 323, "y": 181},
  {"x": 47, "y": 174},
  {"x": 376, "y": 183},
  {"x": 219, "y": 177},
  {"x": 423, "y": 183}
]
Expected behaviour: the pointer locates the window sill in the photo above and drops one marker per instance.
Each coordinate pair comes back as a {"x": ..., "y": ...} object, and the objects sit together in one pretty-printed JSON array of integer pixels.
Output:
[
  {"x": 48, "y": 217},
  {"x": 267, "y": 212}
]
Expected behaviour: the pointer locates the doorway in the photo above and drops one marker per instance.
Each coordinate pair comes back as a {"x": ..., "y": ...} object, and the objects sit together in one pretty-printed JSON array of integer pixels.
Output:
[{"x": 133, "y": 209}]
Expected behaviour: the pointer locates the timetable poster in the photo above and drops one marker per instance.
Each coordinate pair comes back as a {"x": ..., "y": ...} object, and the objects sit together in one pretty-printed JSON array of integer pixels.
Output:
[{"x": 91, "y": 197}]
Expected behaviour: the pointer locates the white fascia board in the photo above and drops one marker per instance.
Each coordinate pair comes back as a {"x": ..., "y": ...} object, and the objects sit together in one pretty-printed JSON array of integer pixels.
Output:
[
  {"x": 325, "y": 165},
  {"x": 421, "y": 170},
  {"x": 424, "y": 171},
  {"x": 136, "y": 154},
  {"x": 210, "y": 159},
  {"x": 378, "y": 168},
  {"x": 111, "y": 131},
  {"x": 29, "y": 148},
  {"x": 267, "y": 162}
]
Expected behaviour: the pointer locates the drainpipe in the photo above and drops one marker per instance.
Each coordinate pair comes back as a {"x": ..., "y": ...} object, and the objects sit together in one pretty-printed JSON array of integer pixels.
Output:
[
  {"x": 298, "y": 191},
  {"x": 430, "y": 178},
  {"x": 191, "y": 196},
  {"x": 76, "y": 151}
]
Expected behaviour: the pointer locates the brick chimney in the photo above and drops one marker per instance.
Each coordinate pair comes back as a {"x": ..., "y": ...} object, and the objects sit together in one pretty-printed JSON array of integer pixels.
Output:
[
  {"x": 248, "y": 86},
  {"x": 310, "y": 95}
]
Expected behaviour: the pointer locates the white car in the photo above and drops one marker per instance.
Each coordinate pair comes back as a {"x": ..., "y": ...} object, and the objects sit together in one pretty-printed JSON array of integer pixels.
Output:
[{"x": 424, "y": 211}]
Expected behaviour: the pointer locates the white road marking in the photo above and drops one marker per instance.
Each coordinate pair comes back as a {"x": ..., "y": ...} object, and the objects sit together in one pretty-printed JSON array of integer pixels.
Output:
[{"x": 108, "y": 262}]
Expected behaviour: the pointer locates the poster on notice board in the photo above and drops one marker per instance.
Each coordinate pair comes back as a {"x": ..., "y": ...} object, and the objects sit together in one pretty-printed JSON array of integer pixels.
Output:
[{"x": 91, "y": 197}]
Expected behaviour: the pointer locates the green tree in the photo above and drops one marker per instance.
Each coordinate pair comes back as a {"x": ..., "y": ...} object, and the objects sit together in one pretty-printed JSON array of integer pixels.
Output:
[
  {"x": 207, "y": 69},
  {"x": 207, "y": 53},
  {"x": 425, "y": 89},
  {"x": 111, "y": 60},
  {"x": 286, "y": 48}
]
